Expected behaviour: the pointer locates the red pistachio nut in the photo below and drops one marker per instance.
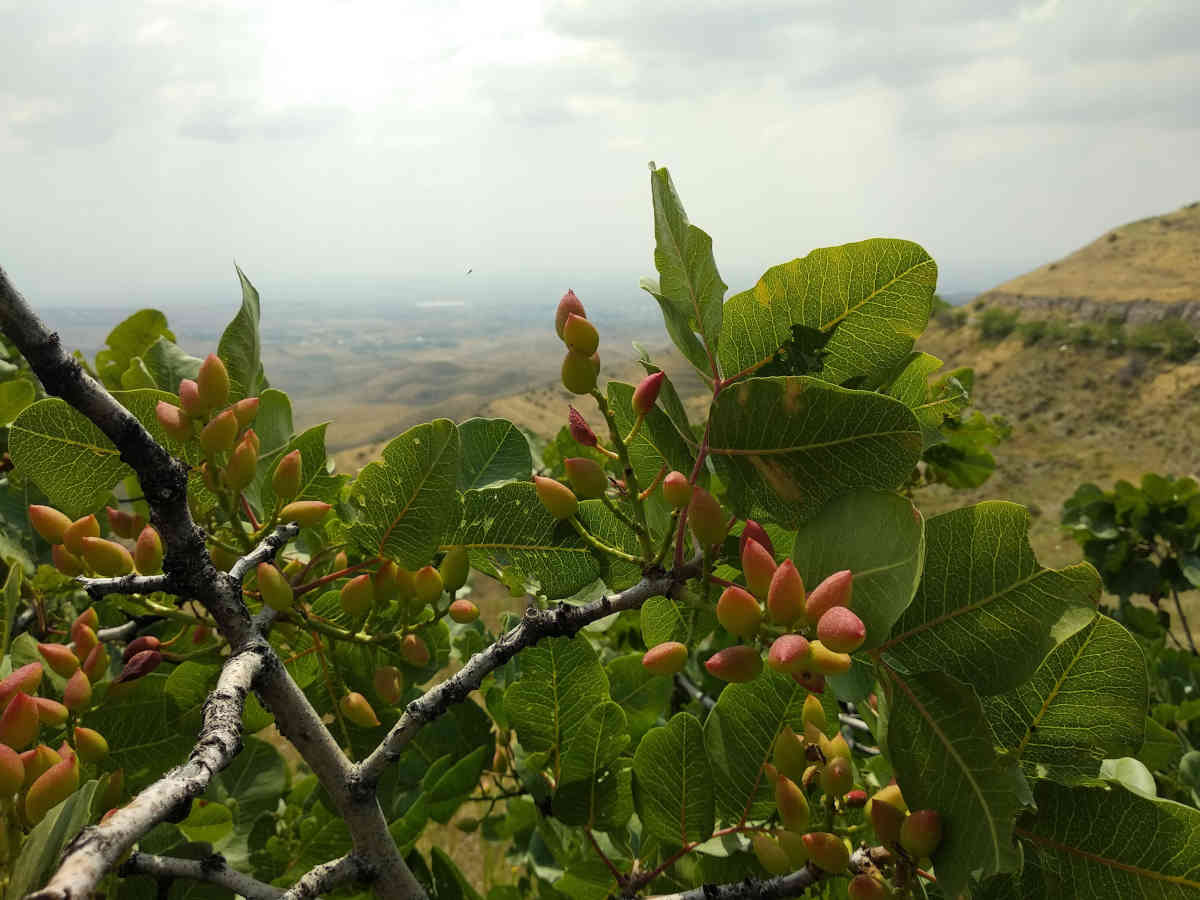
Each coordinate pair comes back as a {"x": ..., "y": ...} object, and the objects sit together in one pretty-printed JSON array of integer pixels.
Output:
[
  {"x": 738, "y": 612},
  {"x": 579, "y": 428},
  {"x": 414, "y": 651},
  {"x": 246, "y": 411},
  {"x": 51, "y": 712},
  {"x": 59, "y": 658},
  {"x": 139, "y": 665},
  {"x": 389, "y": 684},
  {"x": 755, "y": 532},
  {"x": 827, "y": 851},
  {"x": 428, "y": 584},
  {"x": 867, "y": 887},
  {"x": 568, "y": 306},
  {"x": 841, "y": 630},
  {"x": 837, "y": 777},
  {"x": 358, "y": 595},
  {"x": 305, "y": 513},
  {"x": 921, "y": 833},
  {"x": 137, "y": 645},
  {"x": 120, "y": 522},
  {"x": 77, "y": 694},
  {"x": 220, "y": 433},
  {"x": 667, "y": 658},
  {"x": 108, "y": 558},
  {"x": 759, "y": 567},
  {"x": 12, "y": 771},
  {"x": 243, "y": 464},
  {"x": 836, "y": 590},
  {"x": 189, "y": 399},
  {"x": 785, "y": 594},
  {"x": 95, "y": 664},
  {"x": 463, "y": 611},
  {"x": 51, "y": 788},
  {"x": 286, "y": 480},
  {"x": 25, "y": 679},
  {"x": 737, "y": 663},
  {"x": 19, "y": 722},
  {"x": 148, "y": 551},
  {"x": 646, "y": 393},
  {"x": 792, "y": 804},
  {"x": 174, "y": 421},
  {"x": 73, "y": 536},
  {"x": 789, "y": 654},
  {"x": 49, "y": 523}
]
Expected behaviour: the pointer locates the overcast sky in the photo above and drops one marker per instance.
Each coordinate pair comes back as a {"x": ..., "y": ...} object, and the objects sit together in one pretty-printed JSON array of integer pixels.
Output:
[{"x": 382, "y": 148}]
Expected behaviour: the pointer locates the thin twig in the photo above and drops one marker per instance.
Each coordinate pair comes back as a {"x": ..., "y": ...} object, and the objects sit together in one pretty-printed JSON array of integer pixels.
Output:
[
  {"x": 693, "y": 691},
  {"x": 329, "y": 875},
  {"x": 212, "y": 869}
]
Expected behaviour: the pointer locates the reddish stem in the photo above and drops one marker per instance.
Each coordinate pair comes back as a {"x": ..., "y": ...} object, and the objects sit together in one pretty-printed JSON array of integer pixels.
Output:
[
  {"x": 249, "y": 512},
  {"x": 332, "y": 576},
  {"x": 616, "y": 873}
]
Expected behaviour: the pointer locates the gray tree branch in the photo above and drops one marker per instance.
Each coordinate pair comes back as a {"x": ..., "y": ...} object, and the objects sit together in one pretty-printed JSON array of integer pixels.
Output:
[
  {"x": 212, "y": 869},
  {"x": 330, "y": 875}
]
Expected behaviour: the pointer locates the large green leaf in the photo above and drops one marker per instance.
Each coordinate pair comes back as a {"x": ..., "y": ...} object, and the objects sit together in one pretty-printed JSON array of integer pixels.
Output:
[
  {"x": 1085, "y": 703},
  {"x": 71, "y": 460},
  {"x": 1110, "y": 842},
  {"x": 132, "y": 337},
  {"x": 507, "y": 528},
  {"x": 674, "y": 782},
  {"x": 642, "y": 696},
  {"x": 598, "y": 740},
  {"x": 941, "y": 751},
  {"x": 168, "y": 364},
  {"x": 561, "y": 681},
  {"x": 740, "y": 733},
  {"x": 406, "y": 499},
  {"x": 785, "y": 446},
  {"x": 931, "y": 404},
  {"x": 689, "y": 289},
  {"x": 15, "y": 396},
  {"x": 604, "y": 802},
  {"x": 254, "y": 781},
  {"x": 240, "y": 347},
  {"x": 494, "y": 452},
  {"x": 874, "y": 295},
  {"x": 986, "y": 612},
  {"x": 42, "y": 846},
  {"x": 878, "y": 536}
]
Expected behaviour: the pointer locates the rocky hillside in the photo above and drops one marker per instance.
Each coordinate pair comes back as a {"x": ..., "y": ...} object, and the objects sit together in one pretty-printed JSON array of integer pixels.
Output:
[{"x": 1143, "y": 271}]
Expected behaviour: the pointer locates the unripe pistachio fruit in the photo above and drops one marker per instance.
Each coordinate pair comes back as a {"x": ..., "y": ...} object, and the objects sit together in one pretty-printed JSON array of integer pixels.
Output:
[
  {"x": 49, "y": 523},
  {"x": 108, "y": 558},
  {"x": 837, "y": 777},
  {"x": 579, "y": 428},
  {"x": 737, "y": 663},
  {"x": 414, "y": 651},
  {"x": 667, "y": 658},
  {"x": 826, "y": 661},
  {"x": 758, "y": 566},
  {"x": 220, "y": 433},
  {"x": 827, "y": 851},
  {"x": 738, "y": 612},
  {"x": 463, "y": 611},
  {"x": 212, "y": 382},
  {"x": 120, "y": 523},
  {"x": 580, "y": 335},
  {"x": 66, "y": 561},
  {"x": 755, "y": 532},
  {"x": 886, "y": 819},
  {"x": 243, "y": 463},
  {"x": 588, "y": 479},
  {"x": 51, "y": 712},
  {"x": 51, "y": 788},
  {"x": 707, "y": 519},
  {"x": 814, "y": 713},
  {"x": 140, "y": 664},
  {"x": 835, "y": 747},
  {"x": 37, "y": 761},
  {"x": 95, "y": 665},
  {"x": 25, "y": 679},
  {"x": 305, "y": 513},
  {"x": 578, "y": 373},
  {"x": 148, "y": 552},
  {"x": 792, "y": 804},
  {"x": 835, "y": 590},
  {"x": 174, "y": 421},
  {"x": 427, "y": 582},
  {"x": 676, "y": 490},
  {"x": 785, "y": 595},
  {"x": 73, "y": 535},
  {"x": 867, "y": 887},
  {"x": 91, "y": 745},
  {"x": 789, "y": 654},
  {"x": 646, "y": 393},
  {"x": 112, "y": 786},
  {"x": 921, "y": 833},
  {"x": 390, "y": 586},
  {"x": 77, "y": 694},
  {"x": 19, "y": 722},
  {"x": 189, "y": 399},
  {"x": 568, "y": 306},
  {"x": 355, "y": 707},
  {"x": 770, "y": 855},
  {"x": 890, "y": 793},
  {"x": 389, "y": 684},
  {"x": 246, "y": 411},
  {"x": 455, "y": 567},
  {"x": 358, "y": 595},
  {"x": 59, "y": 658},
  {"x": 12, "y": 771},
  {"x": 841, "y": 630},
  {"x": 556, "y": 497},
  {"x": 286, "y": 479},
  {"x": 789, "y": 754},
  {"x": 89, "y": 618},
  {"x": 793, "y": 845},
  {"x": 810, "y": 681},
  {"x": 275, "y": 590}
]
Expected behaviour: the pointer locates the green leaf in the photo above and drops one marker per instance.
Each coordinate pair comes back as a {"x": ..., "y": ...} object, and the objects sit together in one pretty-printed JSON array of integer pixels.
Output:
[
  {"x": 15, "y": 395},
  {"x": 448, "y": 882},
  {"x": 1161, "y": 749},
  {"x": 680, "y": 619},
  {"x": 494, "y": 452},
  {"x": 1085, "y": 703},
  {"x": 207, "y": 822},
  {"x": 40, "y": 851},
  {"x": 143, "y": 730},
  {"x": 986, "y": 612},
  {"x": 323, "y": 836},
  {"x": 643, "y": 697},
  {"x": 598, "y": 740},
  {"x": 168, "y": 364},
  {"x": 1130, "y": 774},
  {"x": 674, "y": 782},
  {"x": 880, "y": 537},
  {"x": 785, "y": 446},
  {"x": 254, "y": 781},
  {"x": 561, "y": 682},
  {"x": 1109, "y": 842},
  {"x": 941, "y": 750},
  {"x": 240, "y": 347},
  {"x": 599, "y": 521},
  {"x": 71, "y": 460},
  {"x": 930, "y": 404},
  {"x": 273, "y": 424},
  {"x": 12, "y": 600},
  {"x": 507, "y": 528},
  {"x": 132, "y": 337},
  {"x": 604, "y": 802},
  {"x": 875, "y": 296},
  {"x": 406, "y": 498},
  {"x": 689, "y": 290},
  {"x": 740, "y": 735}
]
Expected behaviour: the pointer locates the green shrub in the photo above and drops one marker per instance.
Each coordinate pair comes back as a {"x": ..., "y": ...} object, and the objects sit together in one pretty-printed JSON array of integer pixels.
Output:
[{"x": 996, "y": 324}]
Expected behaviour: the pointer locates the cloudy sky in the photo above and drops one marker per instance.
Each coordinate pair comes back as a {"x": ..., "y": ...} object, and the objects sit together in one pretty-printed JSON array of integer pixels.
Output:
[{"x": 367, "y": 149}]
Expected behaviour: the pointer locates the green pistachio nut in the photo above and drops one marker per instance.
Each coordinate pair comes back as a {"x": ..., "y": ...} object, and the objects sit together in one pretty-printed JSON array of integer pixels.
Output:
[
  {"x": 148, "y": 552},
  {"x": 49, "y": 523},
  {"x": 212, "y": 382},
  {"x": 355, "y": 708},
  {"x": 588, "y": 480},
  {"x": 358, "y": 595},
  {"x": 921, "y": 833},
  {"x": 770, "y": 855},
  {"x": 305, "y": 513},
  {"x": 738, "y": 612},
  {"x": 578, "y": 373},
  {"x": 677, "y": 491},
  {"x": 275, "y": 590},
  {"x": 708, "y": 521},
  {"x": 580, "y": 335},
  {"x": 558, "y": 499},
  {"x": 827, "y": 851},
  {"x": 286, "y": 479},
  {"x": 455, "y": 567},
  {"x": 667, "y": 658},
  {"x": 73, "y": 536}
]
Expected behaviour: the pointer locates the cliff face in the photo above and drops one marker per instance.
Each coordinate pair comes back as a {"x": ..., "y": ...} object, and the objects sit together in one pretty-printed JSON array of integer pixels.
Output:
[{"x": 1140, "y": 272}]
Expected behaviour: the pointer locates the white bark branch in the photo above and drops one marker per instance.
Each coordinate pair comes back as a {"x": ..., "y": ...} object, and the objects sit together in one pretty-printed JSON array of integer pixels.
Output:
[
  {"x": 328, "y": 876},
  {"x": 97, "y": 588},
  {"x": 96, "y": 849},
  {"x": 212, "y": 869},
  {"x": 562, "y": 620}
]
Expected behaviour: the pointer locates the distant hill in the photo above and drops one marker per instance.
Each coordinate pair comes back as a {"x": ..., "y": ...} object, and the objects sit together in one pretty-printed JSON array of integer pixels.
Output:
[{"x": 1142, "y": 271}]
